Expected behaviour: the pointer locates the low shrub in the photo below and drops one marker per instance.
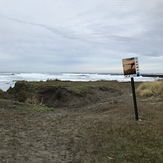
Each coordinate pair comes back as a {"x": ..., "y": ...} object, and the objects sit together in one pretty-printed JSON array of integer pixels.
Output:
[
  {"x": 150, "y": 89},
  {"x": 21, "y": 91}
]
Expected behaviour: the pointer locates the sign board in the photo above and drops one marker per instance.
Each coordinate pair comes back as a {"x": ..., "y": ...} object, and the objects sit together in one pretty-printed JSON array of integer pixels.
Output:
[{"x": 131, "y": 66}]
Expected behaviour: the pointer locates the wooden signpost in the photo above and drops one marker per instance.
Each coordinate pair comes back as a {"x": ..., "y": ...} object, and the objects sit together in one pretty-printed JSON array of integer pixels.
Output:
[{"x": 131, "y": 69}]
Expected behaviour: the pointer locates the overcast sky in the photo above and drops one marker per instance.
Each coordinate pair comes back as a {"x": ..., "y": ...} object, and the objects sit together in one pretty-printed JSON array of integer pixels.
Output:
[{"x": 80, "y": 35}]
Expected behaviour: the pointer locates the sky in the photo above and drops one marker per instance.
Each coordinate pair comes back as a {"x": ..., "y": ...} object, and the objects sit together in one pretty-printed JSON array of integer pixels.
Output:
[{"x": 80, "y": 35}]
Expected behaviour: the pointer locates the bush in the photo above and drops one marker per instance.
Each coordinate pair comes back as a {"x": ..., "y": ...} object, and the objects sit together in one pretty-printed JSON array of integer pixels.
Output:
[{"x": 21, "y": 91}]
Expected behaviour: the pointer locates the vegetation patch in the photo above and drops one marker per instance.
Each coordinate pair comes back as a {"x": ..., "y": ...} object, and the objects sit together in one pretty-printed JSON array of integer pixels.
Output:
[
  {"x": 10, "y": 104},
  {"x": 103, "y": 131},
  {"x": 150, "y": 89},
  {"x": 55, "y": 93}
]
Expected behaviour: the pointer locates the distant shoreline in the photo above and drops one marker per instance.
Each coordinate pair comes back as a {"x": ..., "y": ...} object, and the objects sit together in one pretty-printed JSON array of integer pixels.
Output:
[
  {"x": 152, "y": 75},
  {"x": 8, "y": 79},
  {"x": 143, "y": 75}
]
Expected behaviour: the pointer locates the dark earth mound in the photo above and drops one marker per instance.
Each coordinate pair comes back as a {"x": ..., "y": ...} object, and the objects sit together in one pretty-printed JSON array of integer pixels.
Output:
[{"x": 61, "y": 95}]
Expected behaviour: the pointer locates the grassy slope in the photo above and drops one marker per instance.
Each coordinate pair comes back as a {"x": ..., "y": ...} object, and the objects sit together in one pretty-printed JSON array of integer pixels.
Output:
[{"x": 111, "y": 135}]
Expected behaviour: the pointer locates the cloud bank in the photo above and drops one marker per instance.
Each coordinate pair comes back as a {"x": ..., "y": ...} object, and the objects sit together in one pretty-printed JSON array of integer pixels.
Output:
[{"x": 80, "y": 36}]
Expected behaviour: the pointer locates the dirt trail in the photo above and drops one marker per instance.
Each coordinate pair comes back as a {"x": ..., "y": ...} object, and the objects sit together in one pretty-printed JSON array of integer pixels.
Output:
[{"x": 63, "y": 135}]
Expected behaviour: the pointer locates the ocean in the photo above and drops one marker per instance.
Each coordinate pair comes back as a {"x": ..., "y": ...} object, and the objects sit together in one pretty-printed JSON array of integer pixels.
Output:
[{"x": 9, "y": 79}]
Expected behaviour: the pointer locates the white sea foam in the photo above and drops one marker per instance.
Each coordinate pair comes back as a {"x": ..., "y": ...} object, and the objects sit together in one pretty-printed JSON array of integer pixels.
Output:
[{"x": 9, "y": 79}]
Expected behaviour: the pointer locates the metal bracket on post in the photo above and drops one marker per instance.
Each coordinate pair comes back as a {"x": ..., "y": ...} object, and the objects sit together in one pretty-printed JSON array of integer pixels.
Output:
[{"x": 134, "y": 99}]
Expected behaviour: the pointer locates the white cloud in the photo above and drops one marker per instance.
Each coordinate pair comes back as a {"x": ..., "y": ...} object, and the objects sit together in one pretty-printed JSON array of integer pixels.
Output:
[
  {"x": 5, "y": 57},
  {"x": 83, "y": 35}
]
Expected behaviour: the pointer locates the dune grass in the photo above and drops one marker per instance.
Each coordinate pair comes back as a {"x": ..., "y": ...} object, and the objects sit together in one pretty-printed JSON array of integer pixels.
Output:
[{"x": 151, "y": 89}]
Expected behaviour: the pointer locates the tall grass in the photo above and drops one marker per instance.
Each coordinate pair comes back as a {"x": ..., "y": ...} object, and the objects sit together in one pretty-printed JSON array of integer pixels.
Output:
[{"x": 151, "y": 89}]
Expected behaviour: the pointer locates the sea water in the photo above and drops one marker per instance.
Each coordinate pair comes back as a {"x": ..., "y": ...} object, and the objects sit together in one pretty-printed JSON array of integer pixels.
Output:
[{"x": 9, "y": 79}]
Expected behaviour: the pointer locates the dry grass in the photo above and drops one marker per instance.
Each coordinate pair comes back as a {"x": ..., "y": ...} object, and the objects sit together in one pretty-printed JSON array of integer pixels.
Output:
[
  {"x": 80, "y": 137},
  {"x": 101, "y": 132},
  {"x": 151, "y": 89}
]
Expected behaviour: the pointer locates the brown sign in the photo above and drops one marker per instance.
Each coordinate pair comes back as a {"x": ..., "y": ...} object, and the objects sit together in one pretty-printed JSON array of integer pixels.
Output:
[{"x": 130, "y": 66}]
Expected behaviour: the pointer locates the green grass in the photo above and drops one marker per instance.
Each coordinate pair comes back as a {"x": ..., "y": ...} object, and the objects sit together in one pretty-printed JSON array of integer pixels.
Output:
[
  {"x": 27, "y": 91},
  {"x": 24, "y": 89},
  {"x": 10, "y": 104},
  {"x": 127, "y": 142},
  {"x": 134, "y": 143}
]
